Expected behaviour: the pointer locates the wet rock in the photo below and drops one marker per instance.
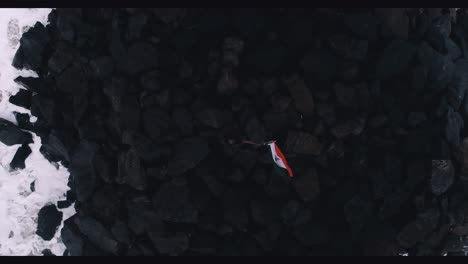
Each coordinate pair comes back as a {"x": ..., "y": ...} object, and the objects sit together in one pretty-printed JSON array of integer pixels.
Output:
[
  {"x": 464, "y": 156},
  {"x": 156, "y": 122},
  {"x": 183, "y": 121},
  {"x": 307, "y": 185},
  {"x": 11, "y": 135},
  {"x": 22, "y": 98},
  {"x": 264, "y": 212},
  {"x": 168, "y": 15},
  {"x": 396, "y": 59},
  {"x": 54, "y": 149},
  {"x": 255, "y": 130},
  {"x": 73, "y": 241},
  {"x": 48, "y": 221},
  {"x": 227, "y": 83},
  {"x": 102, "y": 67},
  {"x": 172, "y": 203},
  {"x": 47, "y": 253},
  {"x": 148, "y": 150},
  {"x": 159, "y": 174},
  {"x": 326, "y": 112},
  {"x": 268, "y": 59},
  {"x": 417, "y": 230},
  {"x": 213, "y": 117},
  {"x": 140, "y": 56},
  {"x": 136, "y": 25},
  {"x": 73, "y": 80},
  {"x": 268, "y": 237},
  {"x": 150, "y": 81},
  {"x": 345, "y": 95},
  {"x": 280, "y": 103},
  {"x": 45, "y": 107},
  {"x": 21, "y": 155},
  {"x": 302, "y": 97},
  {"x": 62, "y": 57},
  {"x": 348, "y": 47},
  {"x": 303, "y": 143},
  {"x": 33, "y": 44},
  {"x": 98, "y": 235},
  {"x": 442, "y": 176},
  {"x": 348, "y": 127},
  {"x": 130, "y": 170},
  {"x": 362, "y": 25},
  {"x": 395, "y": 22},
  {"x": 106, "y": 204},
  {"x": 453, "y": 127},
  {"x": 319, "y": 64},
  {"x": 63, "y": 204},
  {"x": 416, "y": 118},
  {"x": 441, "y": 67},
  {"x": 141, "y": 217},
  {"x": 114, "y": 90},
  {"x": 82, "y": 171},
  {"x": 312, "y": 233},
  {"x": 438, "y": 33},
  {"x": 24, "y": 121},
  {"x": 121, "y": 232},
  {"x": 187, "y": 154},
  {"x": 357, "y": 211},
  {"x": 172, "y": 245}
]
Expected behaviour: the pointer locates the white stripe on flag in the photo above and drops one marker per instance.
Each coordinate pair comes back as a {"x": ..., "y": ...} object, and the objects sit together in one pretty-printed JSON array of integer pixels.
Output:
[{"x": 275, "y": 156}]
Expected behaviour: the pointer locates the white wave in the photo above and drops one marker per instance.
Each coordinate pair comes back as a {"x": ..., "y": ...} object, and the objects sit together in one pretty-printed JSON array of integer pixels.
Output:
[{"x": 19, "y": 206}]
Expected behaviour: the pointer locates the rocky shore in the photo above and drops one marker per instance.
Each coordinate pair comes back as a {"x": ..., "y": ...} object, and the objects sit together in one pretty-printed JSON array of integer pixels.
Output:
[{"x": 147, "y": 107}]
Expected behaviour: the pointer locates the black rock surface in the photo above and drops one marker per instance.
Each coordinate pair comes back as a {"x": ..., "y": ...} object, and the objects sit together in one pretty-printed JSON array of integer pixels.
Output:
[
  {"x": 48, "y": 222},
  {"x": 154, "y": 112}
]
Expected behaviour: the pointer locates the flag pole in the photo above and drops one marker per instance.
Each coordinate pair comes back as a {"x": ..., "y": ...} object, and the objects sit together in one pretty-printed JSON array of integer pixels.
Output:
[{"x": 256, "y": 144}]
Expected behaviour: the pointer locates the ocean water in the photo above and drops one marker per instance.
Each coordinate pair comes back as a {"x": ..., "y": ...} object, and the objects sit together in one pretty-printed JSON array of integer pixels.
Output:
[{"x": 19, "y": 206}]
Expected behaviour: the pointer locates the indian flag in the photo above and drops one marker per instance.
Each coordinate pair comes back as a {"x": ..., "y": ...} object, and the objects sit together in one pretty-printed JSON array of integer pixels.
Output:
[{"x": 279, "y": 158}]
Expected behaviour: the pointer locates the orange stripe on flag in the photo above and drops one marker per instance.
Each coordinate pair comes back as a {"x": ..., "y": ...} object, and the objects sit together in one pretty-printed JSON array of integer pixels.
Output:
[{"x": 280, "y": 154}]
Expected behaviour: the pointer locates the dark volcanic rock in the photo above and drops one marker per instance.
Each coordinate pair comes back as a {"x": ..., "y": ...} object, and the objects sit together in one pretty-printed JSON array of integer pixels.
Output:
[
  {"x": 22, "y": 98},
  {"x": 442, "y": 176},
  {"x": 21, "y": 155},
  {"x": 54, "y": 149},
  {"x": 48, "y": 221},
  {"x": 63, "y": 56},
  {"x": 82, "y": 171},
  {"x": 307, "y": 185},
  {"x": 150, "y": 109},
  {"x": 213, "y": 117},
  {"x": 255, "y": 130},
  {"x": 453, "y": 127},
  {"x": 395, "y": 22},
  {"x": 187, "y": 154},
  {"x": 98, "y": 235},
  {"x": 130, "y": 170},
  {"x": 348, "y": 127},
  {"x": 395, "y": 59},
  {"x": 170, "y": 244},
  {"x": 302, "y": 97},
  {"x": 348, "y": 47},
  {"x": 140, "y": 56},
  {"x": 106, "y": 204},
  {"x": 319, "y": 64},
  {"x": 172, "y": 203},
  {"x": 156, "y": 122},
  {"x": 72, "y": 240},
  {"x": 121, "y": 232},
  {"x": 33, "y": 44},
  {"x": 303, "y": 143},
  {"x": 141, "y": 216},
  {"x": 12, "y": 135}
]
